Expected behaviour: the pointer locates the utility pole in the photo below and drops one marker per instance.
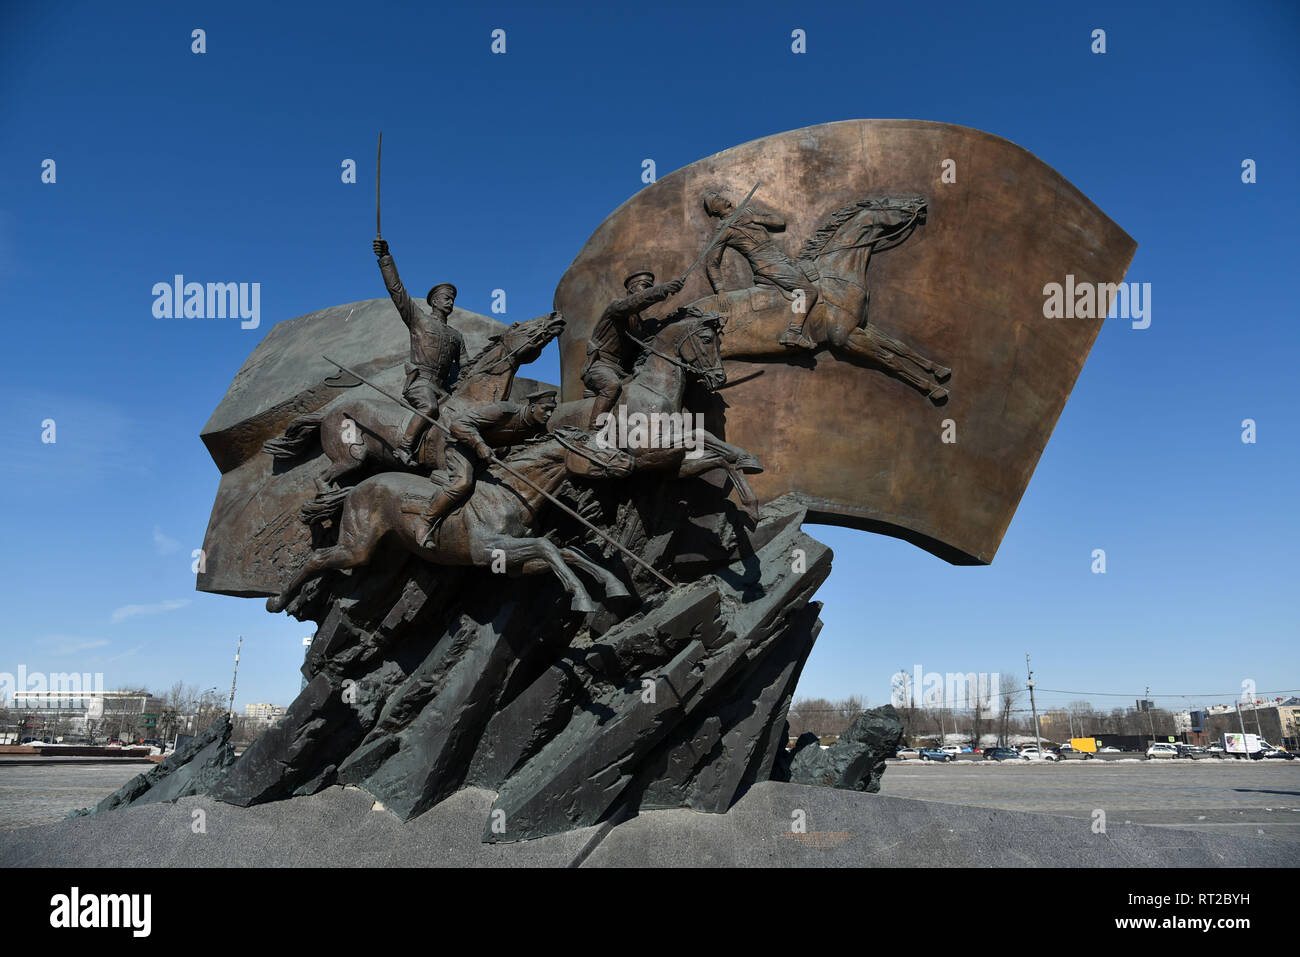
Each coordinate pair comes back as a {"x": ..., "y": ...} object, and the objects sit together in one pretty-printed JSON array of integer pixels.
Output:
[
  {"x": 1146, "y": 703},
  {"x": 235, "y": 678},
  {"x": 1038, "y": 738},
  {"x": 1241, "y": 720}
]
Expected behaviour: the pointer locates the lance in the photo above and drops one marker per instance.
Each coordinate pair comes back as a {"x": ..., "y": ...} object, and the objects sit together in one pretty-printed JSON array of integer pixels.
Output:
[
  {"x": 721, "y": 229},
  {"x": 519, "y": 475},
  {"x": 379, "y": 156}
]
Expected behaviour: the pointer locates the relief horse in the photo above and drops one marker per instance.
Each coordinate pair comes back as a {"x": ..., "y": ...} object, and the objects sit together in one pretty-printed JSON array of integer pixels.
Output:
[{"x": 835, "y": 258}]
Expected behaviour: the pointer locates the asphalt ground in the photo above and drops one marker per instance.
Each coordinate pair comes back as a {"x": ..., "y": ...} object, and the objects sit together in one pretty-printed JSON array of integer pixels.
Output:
[
  {"x": 45, "y": 793},
  {"x": 1225, "y": 797}
]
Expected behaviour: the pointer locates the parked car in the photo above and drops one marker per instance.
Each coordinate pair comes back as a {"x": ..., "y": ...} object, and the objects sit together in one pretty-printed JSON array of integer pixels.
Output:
[
  {"x": 904, "y": 753},
  {"x": 1108, "y": 750},
  {"x": 1001, "y": 754},
  {"x": 935, "y": 754},
  {"x": 1191, "y": 751},
  {"x": 1159, "y": 750},
  {"x": 1279, "y": 753}
]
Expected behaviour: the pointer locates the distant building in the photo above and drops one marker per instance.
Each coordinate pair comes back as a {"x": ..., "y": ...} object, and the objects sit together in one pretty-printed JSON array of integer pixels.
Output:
[
  {"x": 263, "y": 712},
  {"x": 1277, "y": 722},
  {"x": 129, "y": 713}
]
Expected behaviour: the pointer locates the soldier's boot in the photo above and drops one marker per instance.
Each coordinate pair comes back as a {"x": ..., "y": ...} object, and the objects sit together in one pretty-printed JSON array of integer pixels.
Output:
[
  {"x": 603, "y": 404},
  {"x": 405, "y": 451},
  {"x": 794, "y": 337},
  {"x": 439, "y": 507}
]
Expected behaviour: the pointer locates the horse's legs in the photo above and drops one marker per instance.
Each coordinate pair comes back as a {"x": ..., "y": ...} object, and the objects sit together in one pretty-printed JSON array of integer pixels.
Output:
[
  {"x": 613, "y": 587},
  {"x": 355, "y": 547},
  {"x": 532, "y": 556},
  {"x": 712, "y": 459},
  {"x": 741, "y": 458},
  {"x": 328, "y": 480},
  {"x": 863, "y": 346},
  {"x": 900, "y": 348}
]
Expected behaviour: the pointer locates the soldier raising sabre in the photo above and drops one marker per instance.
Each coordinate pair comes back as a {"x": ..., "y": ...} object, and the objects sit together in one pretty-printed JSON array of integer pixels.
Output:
[
  {"x": 748, "y": 234},
  {"x": 437, "y": 350},
  {"x": 609, "y": 351}
]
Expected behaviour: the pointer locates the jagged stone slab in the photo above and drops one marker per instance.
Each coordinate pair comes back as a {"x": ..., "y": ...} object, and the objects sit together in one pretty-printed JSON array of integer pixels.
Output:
[
  {"x": 856, "y": 761},
  {"x": 193, "y": 769}
]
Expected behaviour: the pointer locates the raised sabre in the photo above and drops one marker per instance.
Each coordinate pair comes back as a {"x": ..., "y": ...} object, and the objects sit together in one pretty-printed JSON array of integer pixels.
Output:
[
  {"x": 523, "y": 478},
  {"x": 338, "y": 381},
  {"x": 379, "y": 156}
]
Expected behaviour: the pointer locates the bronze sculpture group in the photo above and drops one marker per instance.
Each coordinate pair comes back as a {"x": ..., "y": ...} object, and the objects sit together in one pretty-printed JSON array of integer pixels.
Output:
[{"x": 443, "y": 493}]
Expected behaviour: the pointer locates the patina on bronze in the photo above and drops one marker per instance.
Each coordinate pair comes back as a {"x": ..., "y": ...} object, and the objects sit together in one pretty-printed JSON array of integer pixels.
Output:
[{"x": 928, "y": 311}]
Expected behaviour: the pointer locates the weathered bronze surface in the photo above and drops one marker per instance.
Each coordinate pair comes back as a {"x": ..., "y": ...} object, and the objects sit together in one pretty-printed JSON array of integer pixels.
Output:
[
  {"x": 954, "y": 329},
  {"x": 255, "y": 540}
]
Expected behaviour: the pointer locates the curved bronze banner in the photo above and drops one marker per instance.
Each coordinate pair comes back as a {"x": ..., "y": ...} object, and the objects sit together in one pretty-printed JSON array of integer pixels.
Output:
[{"x": 936, "y": 379}]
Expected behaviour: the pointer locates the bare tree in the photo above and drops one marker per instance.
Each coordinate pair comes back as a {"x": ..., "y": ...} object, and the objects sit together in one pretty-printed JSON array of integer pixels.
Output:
[
  {"x": 1008, "y": 691},
  {"x": 977, "y": 716}
]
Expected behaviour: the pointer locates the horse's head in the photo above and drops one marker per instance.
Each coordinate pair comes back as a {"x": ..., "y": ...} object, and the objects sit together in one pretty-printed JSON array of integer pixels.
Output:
[
  {"x": 696, "y": 342},
  {"x": 869, "y": 225},
  {"x": 522, "y": 342},
  {"x": 586, "y": 455}
]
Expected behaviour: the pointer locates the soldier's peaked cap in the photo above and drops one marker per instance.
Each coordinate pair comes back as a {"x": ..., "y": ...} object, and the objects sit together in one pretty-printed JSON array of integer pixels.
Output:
[
  {"x": 442, "y": 285},
  {"x": 627, "y": 283},
  {"x": 544, "y": 394}
]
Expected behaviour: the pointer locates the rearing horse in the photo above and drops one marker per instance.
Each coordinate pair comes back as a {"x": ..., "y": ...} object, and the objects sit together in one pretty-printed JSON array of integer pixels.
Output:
[{"x": 835, "y": 258}]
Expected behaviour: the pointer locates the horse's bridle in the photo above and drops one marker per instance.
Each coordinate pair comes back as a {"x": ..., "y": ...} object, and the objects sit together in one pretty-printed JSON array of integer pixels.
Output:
[
  {"x": 696, "y": 363},
  {"x": 900, "y": 231}
]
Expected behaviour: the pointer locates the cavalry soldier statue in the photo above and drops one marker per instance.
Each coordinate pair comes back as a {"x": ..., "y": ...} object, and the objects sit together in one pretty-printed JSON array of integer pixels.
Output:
[
  {"x": 475, "y": 432},
  {"x": 610, "y": 351},
  {"x": 437, "y": 350},
  {"x": 749, "y": 235}
]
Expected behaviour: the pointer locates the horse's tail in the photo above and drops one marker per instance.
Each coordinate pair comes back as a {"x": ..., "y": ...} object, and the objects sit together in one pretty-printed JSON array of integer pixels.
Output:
[
  {"x": 324, "y": 507},
  {"x": 297, "y": 437}
]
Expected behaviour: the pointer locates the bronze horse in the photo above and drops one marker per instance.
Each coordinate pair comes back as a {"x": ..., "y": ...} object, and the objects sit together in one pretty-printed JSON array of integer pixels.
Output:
[
  {"x": 357, "y": 430},
  {"x": 657, "y": 387},
  {"x": 493, "y": 529}
]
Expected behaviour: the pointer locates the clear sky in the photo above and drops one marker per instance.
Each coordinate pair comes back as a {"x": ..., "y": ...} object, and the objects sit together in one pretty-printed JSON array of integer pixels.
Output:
[{"x": 225, "y": 166}]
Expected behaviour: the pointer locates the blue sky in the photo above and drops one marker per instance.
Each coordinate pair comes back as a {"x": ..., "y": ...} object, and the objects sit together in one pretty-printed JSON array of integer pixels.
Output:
[{"x": 225, "y": 166}]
